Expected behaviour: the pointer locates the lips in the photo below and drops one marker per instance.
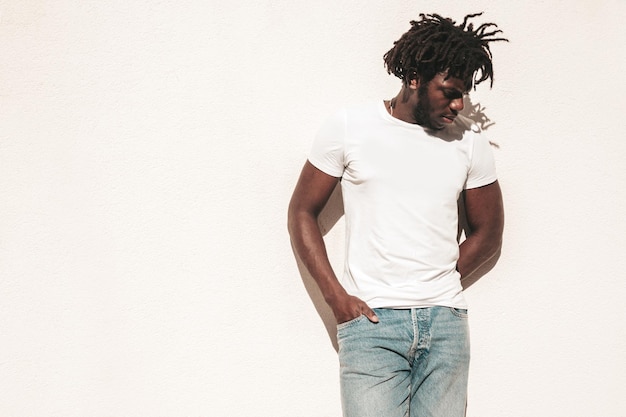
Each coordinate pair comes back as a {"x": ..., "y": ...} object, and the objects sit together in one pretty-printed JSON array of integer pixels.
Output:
[{"x": 448, "y": 118}]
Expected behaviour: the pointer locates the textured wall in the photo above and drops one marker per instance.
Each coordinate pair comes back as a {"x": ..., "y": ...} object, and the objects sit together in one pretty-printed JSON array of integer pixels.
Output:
[{"x": 147, "y": 154}]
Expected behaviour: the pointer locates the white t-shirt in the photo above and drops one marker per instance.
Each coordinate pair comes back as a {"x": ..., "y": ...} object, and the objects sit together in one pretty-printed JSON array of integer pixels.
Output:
[{"x": 400, "y": 185}]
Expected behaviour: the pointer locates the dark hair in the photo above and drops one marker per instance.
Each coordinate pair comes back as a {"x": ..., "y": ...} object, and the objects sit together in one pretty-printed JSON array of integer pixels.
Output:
[{"x": 436, "y": 44}]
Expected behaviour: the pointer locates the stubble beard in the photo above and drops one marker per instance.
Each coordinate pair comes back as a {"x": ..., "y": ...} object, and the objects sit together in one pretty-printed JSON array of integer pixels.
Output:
[{"x": 421, "y": 113}]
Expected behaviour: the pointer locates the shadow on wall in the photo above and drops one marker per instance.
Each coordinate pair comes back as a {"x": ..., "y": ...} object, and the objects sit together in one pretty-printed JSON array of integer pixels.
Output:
[{"x": 333, "y": 211}]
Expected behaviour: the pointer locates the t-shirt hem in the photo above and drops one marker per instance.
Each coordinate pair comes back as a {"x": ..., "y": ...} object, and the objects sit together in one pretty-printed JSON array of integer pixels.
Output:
[
  {"x": 478, "y": 184},
  {"x": 325, "y": 169},
  {"x": 420, "y": 305}
]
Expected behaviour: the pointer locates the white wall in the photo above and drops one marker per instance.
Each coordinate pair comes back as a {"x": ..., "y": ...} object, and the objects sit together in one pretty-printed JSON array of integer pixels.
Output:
[{"x": 147, "y": 154}]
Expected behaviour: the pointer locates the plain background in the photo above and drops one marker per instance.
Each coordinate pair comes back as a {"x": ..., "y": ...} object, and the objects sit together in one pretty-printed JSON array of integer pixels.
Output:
[{"x": 148, "y": 150}]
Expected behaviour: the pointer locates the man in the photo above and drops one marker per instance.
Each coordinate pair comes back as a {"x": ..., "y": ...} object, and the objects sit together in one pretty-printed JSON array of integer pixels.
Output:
[{"x": 403, "y": 164}]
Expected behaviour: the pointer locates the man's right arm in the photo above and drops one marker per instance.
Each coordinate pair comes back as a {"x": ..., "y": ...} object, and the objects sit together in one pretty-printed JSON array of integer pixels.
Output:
[{"x": 311, "y": 194}]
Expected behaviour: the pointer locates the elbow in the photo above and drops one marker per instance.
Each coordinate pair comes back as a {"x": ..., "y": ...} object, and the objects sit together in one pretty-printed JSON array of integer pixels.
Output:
[
  {"x": 493, "y": 242},
  {"x": 493, "y": 236},
  {"x": 296, "y": 216},
  {"x": 495, "y": 247},
  {"x": 291, "y": 220},
  {"x": 488, "y": 242}
]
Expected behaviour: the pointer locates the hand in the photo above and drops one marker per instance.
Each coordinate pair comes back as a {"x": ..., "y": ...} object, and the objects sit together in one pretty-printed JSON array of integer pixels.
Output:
[{"x": 348, "y": 307}]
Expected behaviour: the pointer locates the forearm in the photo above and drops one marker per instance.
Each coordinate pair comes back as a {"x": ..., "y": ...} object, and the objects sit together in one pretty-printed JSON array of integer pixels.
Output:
[
  {"x": 309, "y": 246},
  {"x": 474, "y": 252}
]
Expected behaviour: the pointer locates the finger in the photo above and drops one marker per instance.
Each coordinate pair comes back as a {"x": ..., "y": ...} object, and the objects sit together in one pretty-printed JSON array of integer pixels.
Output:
[{"x": 369, "y": 313}]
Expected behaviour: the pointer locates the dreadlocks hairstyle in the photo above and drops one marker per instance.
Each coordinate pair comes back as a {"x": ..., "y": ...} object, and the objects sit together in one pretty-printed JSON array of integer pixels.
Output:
[{"x": 435, "y": 44}]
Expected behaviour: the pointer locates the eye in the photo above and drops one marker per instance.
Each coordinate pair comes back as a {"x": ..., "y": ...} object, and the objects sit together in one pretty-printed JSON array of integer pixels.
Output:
[{"x": 453, "y": 94}]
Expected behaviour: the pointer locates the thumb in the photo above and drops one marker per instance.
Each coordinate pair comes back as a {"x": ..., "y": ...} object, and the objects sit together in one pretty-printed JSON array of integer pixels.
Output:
[{"x": 369, "y": 313}]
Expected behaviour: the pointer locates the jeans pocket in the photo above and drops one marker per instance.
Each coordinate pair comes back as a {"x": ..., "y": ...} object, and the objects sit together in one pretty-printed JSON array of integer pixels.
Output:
[
  {"x": 459, "y": 312},
  {"x": 350, "y": 322}
]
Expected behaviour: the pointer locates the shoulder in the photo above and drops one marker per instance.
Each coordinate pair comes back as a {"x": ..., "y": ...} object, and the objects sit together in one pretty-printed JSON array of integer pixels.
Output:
[
  {"x": 365, "y": 116},
  {"x": 352, "y": 115},
  {"x": 364, "y": 109}
]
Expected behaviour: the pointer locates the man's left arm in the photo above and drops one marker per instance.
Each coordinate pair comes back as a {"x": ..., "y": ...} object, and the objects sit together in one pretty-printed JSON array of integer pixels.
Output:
[{"x": 485, "y": 218}]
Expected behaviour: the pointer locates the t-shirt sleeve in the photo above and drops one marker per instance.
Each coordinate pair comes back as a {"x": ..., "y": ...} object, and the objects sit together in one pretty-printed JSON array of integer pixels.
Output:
[
  {"x": 482, "y": 165},
  {"x": 327, "y": 153}
]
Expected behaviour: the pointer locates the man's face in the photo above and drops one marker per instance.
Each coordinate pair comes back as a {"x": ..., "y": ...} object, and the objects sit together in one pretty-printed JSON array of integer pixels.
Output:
[{"x": 439, "y": 102}]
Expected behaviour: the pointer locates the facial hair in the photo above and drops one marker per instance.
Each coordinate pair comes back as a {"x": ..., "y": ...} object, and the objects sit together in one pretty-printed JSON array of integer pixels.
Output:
[{"x": 422, "y": 110}]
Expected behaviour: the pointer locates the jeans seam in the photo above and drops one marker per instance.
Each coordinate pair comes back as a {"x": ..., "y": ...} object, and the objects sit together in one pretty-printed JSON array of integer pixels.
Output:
[{"x": 458, "y": 313}]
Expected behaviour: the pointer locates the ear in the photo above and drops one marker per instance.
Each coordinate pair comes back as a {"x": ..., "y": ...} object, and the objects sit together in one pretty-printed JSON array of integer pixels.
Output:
[{"x": 411, "y": 79}]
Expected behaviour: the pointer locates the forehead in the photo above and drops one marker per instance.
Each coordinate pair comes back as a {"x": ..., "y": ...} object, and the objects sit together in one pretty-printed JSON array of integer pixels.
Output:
[{"x": 442, "y": 80}]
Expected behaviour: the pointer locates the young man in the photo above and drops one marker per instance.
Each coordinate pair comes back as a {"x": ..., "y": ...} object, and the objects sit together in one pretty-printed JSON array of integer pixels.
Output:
[{"x": 403, "y": 164}]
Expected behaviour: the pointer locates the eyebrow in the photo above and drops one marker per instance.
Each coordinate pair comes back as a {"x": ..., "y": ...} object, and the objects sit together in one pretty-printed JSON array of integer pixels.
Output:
[{"x": 450, "y": 91}]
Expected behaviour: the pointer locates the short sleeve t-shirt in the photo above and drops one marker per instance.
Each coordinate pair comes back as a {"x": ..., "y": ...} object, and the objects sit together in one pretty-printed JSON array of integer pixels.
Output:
[{"x": 400, "y": 184}]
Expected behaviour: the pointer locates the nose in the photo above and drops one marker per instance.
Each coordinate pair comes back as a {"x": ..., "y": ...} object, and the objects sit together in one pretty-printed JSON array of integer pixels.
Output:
[{"x": 457, "y": 104}]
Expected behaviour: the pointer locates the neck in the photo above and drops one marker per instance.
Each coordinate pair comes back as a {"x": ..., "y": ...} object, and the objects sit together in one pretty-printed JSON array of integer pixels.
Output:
[{"x": 401, "y": 106}]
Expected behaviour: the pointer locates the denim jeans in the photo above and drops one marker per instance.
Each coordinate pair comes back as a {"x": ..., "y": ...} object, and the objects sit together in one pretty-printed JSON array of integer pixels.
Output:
[{"x": 414, "y": 362}]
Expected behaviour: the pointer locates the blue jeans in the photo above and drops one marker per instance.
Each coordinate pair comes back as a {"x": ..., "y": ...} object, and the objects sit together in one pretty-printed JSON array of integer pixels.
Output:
[{"x": 414, "y": 362}]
